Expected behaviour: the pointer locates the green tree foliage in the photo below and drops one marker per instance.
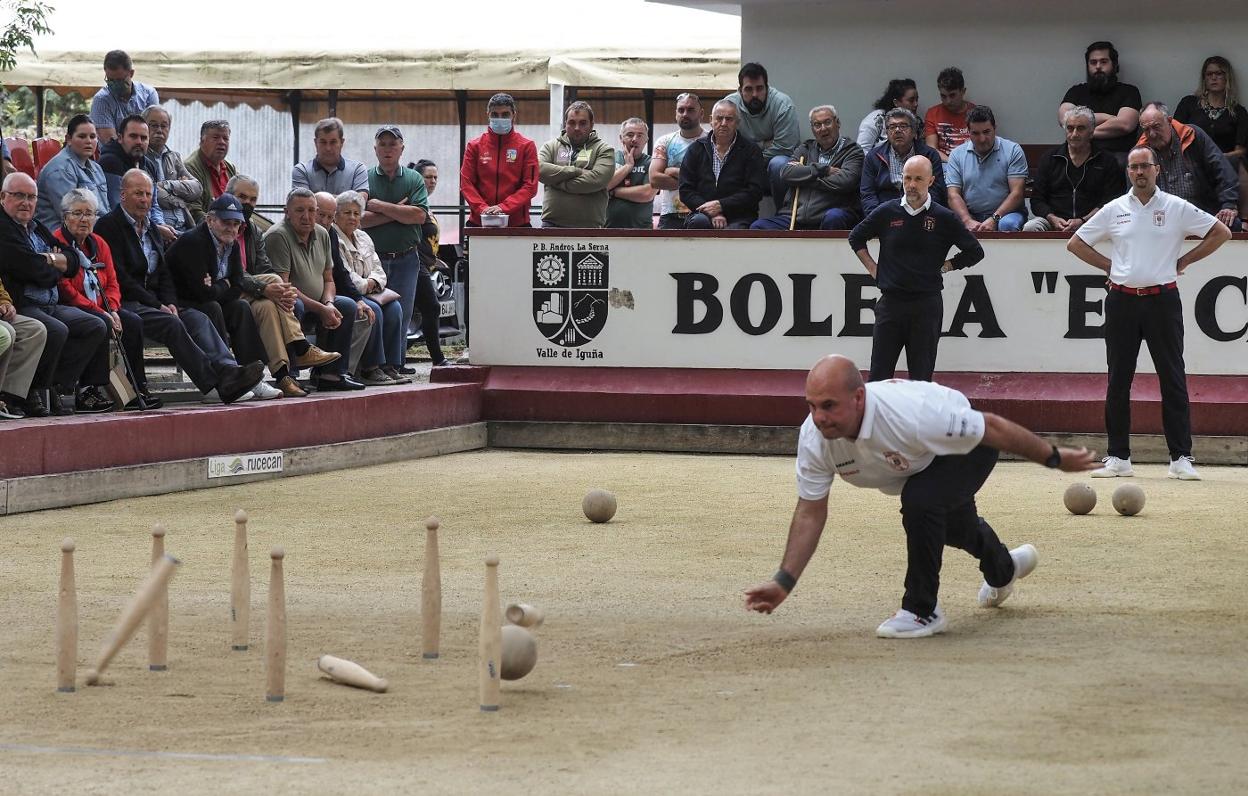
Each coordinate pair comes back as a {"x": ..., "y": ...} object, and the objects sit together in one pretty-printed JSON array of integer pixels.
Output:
[{"x": 28, "y": 18}]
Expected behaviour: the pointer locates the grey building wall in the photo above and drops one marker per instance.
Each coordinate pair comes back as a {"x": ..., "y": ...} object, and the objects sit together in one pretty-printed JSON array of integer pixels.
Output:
[{"x": 1018, "y": 58}]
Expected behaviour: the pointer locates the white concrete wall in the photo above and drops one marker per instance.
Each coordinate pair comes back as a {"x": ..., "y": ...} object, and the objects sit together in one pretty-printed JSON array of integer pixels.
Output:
[{"x": 1018, "y": 57}]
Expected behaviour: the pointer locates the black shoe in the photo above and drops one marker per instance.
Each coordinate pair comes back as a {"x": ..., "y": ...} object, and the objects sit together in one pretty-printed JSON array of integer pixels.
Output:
[
  {"x": 149, "y": 402},
  {"x": 34, "y": 405},
  {"x": 407, "y": 370},
  {"x": 56, "y": 405},
  {"x": 344, "y": 384},
  {"x": 236, "y": 381},
  {"x": 91, "y": 401}
]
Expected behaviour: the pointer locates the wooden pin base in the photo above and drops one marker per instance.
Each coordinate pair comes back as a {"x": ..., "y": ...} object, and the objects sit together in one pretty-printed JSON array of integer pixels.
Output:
[
  {"x": 239, "y": 648},
  {"x": 157, "y": 667},
  {"x": 66, "y": 690},
  {"x": 489, "y": 708},
  {"x": 274, "y": 698},
  {"x": 429, "y": 656}
]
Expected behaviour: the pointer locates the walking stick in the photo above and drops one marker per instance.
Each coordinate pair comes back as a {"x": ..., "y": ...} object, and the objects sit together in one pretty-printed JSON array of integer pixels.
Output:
[
  {"x": 116, "y": 336},
  {"x": 796, "y": 189}
]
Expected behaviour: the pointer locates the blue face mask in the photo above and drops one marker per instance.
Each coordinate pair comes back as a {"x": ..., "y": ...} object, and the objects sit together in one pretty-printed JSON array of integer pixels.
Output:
[{"x": 500, "y": 126}]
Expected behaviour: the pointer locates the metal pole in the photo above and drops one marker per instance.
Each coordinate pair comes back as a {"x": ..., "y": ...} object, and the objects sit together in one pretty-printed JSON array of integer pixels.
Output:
[
  {"x": 333, "y": 102},
  {"x": 461, "y": 107},
  {"x": 296, "y": 100},
  {"x": 39, "y": 109},
  {"x": 648, "y": 96}
]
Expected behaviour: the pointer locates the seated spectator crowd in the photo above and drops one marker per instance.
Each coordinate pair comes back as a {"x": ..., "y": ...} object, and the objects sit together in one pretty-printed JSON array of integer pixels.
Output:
[
  {"x": 122, "y": 240},
  {"x": 753, "y": 157}
]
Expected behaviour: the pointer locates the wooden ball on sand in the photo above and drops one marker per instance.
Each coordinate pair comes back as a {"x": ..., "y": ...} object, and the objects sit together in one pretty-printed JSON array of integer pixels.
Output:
[
  {"x": 1128, "y": 500},
  {"x": 1079, "y": 498},
  {"x": 519, "y": 653},
  {"x": 598, "y": 505}
]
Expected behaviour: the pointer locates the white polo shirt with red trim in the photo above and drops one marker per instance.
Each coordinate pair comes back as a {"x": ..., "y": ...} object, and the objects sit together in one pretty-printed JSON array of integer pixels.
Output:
[
  {"x": 1145, "y": 238},
  {"x": 905, "y": 425}
]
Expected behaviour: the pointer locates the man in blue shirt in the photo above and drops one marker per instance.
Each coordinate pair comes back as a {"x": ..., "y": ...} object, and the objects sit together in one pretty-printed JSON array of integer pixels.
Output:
[
  {"x": 121, "y": 96},
  {"x": 986, "y": 177}
]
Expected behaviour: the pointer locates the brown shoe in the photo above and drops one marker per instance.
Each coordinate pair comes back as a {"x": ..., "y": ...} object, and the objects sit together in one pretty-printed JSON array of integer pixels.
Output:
[
  {"x": 290, "y": 388},
  {"x": 315, "y": 358}
]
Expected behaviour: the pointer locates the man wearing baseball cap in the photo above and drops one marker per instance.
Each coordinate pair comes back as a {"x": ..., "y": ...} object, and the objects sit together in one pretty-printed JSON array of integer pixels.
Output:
[
  {"x": 208, "y": 276},
  {"x": 397, "y": 205}
]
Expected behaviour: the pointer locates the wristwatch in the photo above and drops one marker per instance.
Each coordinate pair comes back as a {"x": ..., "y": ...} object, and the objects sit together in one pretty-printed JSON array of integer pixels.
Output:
[
  {"x": 1055, "y": 459},
  {"x": 996, "y": 217}
]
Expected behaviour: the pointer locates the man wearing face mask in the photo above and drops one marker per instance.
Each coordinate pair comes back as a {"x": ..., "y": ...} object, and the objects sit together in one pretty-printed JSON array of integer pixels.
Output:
[
  {"x": 207, "y": 274},
  {"x": 499, "y": 171},
  {"x": 121, "y": 96}
]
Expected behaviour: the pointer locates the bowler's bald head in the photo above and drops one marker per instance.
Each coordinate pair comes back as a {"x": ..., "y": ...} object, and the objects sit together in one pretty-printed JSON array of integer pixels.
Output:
[
  {"x": 917, "y": 166},
  {"x": 836, "y": 371}
]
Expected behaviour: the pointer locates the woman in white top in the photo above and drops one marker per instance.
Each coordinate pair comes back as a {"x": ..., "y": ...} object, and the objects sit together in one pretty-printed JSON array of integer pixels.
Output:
[
  {"x": 901, "y": 93},
  {"x": 364, "y": 266}
]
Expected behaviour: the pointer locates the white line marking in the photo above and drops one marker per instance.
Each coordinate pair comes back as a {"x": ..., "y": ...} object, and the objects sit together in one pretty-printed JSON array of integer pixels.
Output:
[{"x": 82, "y": 750}]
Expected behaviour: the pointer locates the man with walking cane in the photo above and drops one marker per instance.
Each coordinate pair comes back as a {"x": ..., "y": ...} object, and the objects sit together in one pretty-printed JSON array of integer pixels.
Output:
[{"x": 823, "y": 179}]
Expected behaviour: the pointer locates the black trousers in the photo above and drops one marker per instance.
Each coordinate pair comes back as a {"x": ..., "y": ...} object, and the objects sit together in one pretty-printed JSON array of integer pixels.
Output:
[
  {"x": 938, "y": 509},
  {"x": 912, "y": 323},
  {"x": 1158, "y": 321},
  {"x": 673, "y": 220},
  {"x": 131, "y": 342},
  {"x": 171, "y": 332},
  {"x": 236, "y": 325},
  {"x": 77, "y": 347}
]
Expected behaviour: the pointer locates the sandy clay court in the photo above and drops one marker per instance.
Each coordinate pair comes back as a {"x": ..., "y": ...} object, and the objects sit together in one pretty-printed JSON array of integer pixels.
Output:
[{"x": 1117, "y": 667}]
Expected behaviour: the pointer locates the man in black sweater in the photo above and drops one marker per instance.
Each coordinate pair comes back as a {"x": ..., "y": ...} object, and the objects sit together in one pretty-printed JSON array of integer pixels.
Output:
[
  {"x": 915, "y": 235},
  {"x": 723, "y": 175}
]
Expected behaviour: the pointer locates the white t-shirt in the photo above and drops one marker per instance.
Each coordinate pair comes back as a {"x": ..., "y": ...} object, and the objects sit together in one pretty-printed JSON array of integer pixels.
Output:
[
  {"x": 673, "y": 147},
  {"x": 905, "y": 425},
  {"x": 1145, "y": 238}
]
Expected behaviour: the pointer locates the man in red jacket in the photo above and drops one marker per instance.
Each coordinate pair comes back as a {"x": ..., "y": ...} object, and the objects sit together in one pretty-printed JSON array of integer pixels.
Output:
[{"x": 499, "y": 172}]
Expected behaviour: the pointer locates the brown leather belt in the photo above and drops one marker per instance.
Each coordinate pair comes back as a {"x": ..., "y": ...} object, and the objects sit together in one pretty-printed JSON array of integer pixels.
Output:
[{"x": 1151, "y": 290}]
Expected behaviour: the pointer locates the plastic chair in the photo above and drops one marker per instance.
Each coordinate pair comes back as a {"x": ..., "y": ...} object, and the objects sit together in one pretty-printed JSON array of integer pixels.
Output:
[
  {"x": 45, "y": 150},
  {"x": 19, "y": 151}
]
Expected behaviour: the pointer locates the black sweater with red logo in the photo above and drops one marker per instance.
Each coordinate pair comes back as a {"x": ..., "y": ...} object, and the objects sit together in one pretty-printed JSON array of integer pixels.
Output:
[{"x": 913, "y": 248}]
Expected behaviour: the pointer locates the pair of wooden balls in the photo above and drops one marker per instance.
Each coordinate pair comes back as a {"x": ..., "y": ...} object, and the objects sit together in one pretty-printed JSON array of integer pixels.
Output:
[{"x": 1128, "y": 499}]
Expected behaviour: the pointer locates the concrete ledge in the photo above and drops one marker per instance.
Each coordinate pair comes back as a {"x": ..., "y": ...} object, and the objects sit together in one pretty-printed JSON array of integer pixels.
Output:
[
  {"x": 782, "y": 440},
  {"x": 33, "y": 493}
]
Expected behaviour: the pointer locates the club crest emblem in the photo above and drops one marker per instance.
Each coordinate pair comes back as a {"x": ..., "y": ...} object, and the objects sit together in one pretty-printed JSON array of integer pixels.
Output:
[
  {"x": 929, "y": 223},
  {"x": 897, "y": 461},
  {"x": 512, "y": 155},
  {"x": 570, "y": 296},
  {"x": 1159, "y": 218}
]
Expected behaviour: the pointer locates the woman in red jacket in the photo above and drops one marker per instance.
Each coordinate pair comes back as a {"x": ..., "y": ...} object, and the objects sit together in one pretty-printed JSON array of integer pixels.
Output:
[{"x": 94, "y": 287}]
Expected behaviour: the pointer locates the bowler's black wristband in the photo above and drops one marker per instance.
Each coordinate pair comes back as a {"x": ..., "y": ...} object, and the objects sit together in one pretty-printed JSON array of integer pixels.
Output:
[
  {"x": 1055, "y": 459},
  {"x": 784, "y": 580}
]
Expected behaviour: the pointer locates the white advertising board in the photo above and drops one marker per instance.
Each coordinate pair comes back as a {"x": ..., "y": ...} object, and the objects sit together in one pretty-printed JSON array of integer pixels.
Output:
[{"x": 753, "y": 302}]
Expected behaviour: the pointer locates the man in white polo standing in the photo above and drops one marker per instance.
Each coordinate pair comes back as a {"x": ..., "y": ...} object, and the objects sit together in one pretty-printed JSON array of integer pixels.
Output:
[{"x": 1146, "y": 228}]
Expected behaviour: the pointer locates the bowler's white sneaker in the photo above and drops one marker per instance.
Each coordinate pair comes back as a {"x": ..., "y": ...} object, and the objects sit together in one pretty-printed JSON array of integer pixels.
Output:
[
  {"x": 905, "y": 624},
  {"x": 1114, "y": 468},
  {"x": 263, "y": 392},
  {"x": 1182, "y": 469},
  {"x": 1025, "y": 560}
]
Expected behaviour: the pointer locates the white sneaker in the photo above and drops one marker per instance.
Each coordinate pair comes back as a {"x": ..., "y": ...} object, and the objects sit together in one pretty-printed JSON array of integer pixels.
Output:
[
  {"x": 1182, "y": 469},
  {"x": 1025, "y": 560},
  {"x": 904, "y": 624},
  {"x": 264, "y": 392},
  {"x": 1114, "y": 468}
]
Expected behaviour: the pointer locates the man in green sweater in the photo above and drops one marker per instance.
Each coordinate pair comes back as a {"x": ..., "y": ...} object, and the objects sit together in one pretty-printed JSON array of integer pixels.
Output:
[{"x": 575, "y": 170}]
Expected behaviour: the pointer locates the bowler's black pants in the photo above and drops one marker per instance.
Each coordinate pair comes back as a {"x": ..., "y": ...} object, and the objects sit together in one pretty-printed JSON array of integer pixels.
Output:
[
  {"x": 911, "y": 322},
  {"x": 1158, "y": 321},
  {"x": 938, "y": 509}
]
